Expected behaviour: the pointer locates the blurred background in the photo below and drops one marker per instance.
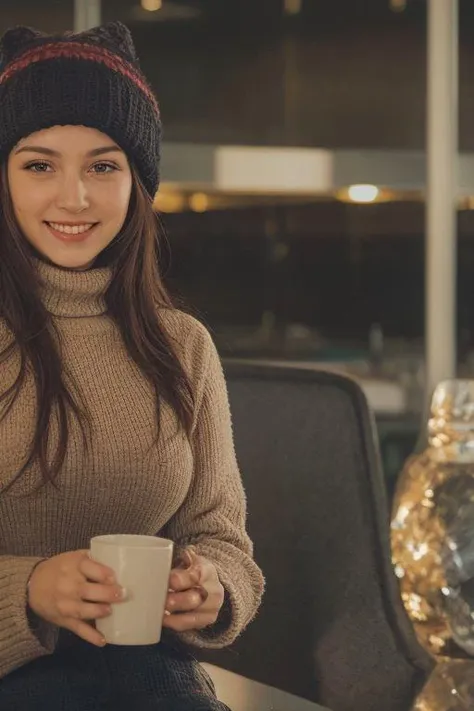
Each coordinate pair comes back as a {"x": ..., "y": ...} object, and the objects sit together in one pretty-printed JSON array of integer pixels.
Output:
[{"x": 294, "y": 180}]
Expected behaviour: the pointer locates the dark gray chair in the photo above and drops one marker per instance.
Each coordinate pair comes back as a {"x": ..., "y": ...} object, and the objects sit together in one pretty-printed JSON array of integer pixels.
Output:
[{"x": 332, "y": 627}]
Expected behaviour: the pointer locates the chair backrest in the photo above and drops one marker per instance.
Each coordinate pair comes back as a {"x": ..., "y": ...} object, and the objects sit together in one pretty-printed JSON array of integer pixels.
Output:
[{"x": 332, "y": 627}]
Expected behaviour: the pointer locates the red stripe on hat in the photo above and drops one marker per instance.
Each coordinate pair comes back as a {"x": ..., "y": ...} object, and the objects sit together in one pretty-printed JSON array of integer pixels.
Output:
[{"x": 79, "y": 50}]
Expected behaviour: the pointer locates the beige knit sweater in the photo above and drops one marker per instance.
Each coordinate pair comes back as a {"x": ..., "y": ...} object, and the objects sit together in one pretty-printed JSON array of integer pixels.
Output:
[{"x": 190, "y": 492}]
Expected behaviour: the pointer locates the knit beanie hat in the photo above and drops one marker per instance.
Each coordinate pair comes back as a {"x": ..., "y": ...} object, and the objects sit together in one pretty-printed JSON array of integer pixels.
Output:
[{"x": 90, "y": 79}]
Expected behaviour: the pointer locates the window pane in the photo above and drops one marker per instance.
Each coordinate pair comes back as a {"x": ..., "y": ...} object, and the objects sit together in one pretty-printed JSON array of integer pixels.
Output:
[{"x": 343, "y": 73}]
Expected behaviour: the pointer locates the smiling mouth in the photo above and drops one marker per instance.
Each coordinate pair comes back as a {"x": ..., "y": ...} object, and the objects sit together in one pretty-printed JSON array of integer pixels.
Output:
[
  {"x": 72, "y": 229},
  {"x": 71, "y": 233}
]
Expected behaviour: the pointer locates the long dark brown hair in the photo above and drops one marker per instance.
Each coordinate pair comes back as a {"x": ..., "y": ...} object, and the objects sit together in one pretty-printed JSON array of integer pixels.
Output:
[{"x": 133, "y": 298}]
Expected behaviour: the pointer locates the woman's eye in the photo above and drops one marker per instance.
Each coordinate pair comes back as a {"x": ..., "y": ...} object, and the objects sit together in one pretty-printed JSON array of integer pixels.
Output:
[
  {"x": 104, "y": 168},
  {"x": 38, "y": 166},
  {"x": 98, "y": 168}
]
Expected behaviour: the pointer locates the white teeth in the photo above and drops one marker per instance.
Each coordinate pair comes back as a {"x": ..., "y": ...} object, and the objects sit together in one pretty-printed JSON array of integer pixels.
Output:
[{"x": 71, "y": 229}]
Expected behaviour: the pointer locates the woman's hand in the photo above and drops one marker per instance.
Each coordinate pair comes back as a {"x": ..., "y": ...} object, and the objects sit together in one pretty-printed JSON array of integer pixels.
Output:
[
  {"x": 196, "y": 594},
  {"x": 70, "y": 589}
]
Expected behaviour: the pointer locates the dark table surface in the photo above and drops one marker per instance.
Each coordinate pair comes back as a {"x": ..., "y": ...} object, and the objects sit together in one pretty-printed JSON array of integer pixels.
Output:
[{"x": 242, "y": 694}]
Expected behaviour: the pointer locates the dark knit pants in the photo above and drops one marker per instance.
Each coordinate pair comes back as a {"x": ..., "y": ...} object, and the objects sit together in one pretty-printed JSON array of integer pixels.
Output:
[{"x": 81, "y": 677}]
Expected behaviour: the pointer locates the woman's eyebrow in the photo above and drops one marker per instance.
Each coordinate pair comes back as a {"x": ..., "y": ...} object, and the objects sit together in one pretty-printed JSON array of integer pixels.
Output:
[{"x": 57, "y": 154}]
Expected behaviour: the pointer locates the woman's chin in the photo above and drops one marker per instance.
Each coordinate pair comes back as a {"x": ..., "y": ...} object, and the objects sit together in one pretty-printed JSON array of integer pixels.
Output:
[{"x": 61, "y": 261}]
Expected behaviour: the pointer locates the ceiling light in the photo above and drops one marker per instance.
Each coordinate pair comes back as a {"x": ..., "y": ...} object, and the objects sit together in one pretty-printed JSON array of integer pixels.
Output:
[
  {"x": 293, "y": 7},
  {"x": 398, "y": 5},
  {"x": 147, "y": 11},
  {"x": 152, "y": 5}
]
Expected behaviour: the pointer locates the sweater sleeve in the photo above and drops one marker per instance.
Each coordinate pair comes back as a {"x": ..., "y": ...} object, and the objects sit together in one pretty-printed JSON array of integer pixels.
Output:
[
  {"x": 19, "y": 643},
  {"x": 213, "y": 515}
]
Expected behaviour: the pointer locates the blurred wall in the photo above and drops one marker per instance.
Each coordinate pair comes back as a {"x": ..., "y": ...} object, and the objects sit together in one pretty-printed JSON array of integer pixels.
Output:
[
  {"x": 341, "y": 80},
  {"x": 344, "y": 73}
]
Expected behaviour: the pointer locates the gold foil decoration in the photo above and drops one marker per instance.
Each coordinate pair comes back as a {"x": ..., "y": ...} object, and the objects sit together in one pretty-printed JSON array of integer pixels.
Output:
[
  {"x": 450, "y": 688},
  {"x": 432, "y": 529}
]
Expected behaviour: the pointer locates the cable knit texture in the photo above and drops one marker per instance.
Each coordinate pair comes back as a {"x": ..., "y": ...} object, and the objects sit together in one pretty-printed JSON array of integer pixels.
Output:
[{"x": 190, "y": 491}]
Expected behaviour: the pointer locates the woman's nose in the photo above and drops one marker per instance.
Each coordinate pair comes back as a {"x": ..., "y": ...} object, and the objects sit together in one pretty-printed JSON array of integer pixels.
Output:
[{"x": 72, "y": 195}]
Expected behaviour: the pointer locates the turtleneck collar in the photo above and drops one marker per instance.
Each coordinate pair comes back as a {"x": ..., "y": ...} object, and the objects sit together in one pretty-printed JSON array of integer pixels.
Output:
[{"x": 73, "y": 294}]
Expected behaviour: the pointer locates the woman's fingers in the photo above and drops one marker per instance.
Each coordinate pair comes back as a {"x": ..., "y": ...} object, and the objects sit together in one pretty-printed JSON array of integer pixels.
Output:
[
  {"x": 86, "y": 632},
  {"x": 93, "y": 592},
  {"x": 186, "y": 601},
  {"x": 184, "y": 579},
  {"x": 193, "y": 609},
  {"x": 189, "y": 621},
  {"x": 92, "y": 570},
  {"x": 195, "y": 596},
  {"x": 184, "y": 558},
  {"x": 84, "y": 610}
]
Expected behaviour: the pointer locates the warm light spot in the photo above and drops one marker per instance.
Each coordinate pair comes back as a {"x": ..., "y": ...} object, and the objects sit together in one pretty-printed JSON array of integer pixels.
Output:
[
  {"x": 199, "y": 202},
  {"x": 398, "y": 5},
  {"x": 293, "y": 7},
  {"x": 363, "y": 193},
  {"x": 152, "y": 5},
  {"x": 170, "y": 201}
]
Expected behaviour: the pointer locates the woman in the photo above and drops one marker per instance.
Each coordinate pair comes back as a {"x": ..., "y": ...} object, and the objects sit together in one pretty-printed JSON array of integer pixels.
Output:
[{"x": 113, "y": 409}]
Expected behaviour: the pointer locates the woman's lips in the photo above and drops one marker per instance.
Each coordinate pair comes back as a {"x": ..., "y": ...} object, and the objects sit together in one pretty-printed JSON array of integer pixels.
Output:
[{"x": 71, "y": 236}]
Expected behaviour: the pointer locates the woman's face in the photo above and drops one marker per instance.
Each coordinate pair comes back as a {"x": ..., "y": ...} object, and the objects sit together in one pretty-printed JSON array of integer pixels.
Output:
[{"x": 70, "y": 187}]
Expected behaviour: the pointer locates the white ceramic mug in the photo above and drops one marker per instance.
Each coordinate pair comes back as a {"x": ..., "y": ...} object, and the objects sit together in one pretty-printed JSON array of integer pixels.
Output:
[{"x": 142, "y": 565}]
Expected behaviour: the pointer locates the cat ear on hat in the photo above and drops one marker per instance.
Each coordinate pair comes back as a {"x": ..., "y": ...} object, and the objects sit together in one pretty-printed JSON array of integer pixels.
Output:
[
  {"x": 15, "y": 40},
  {"x": 113, "y": 34}
]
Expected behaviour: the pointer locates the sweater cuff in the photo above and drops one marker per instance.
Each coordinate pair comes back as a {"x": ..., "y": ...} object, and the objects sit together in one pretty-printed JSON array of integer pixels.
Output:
[{"x": 19, "y": 642}]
